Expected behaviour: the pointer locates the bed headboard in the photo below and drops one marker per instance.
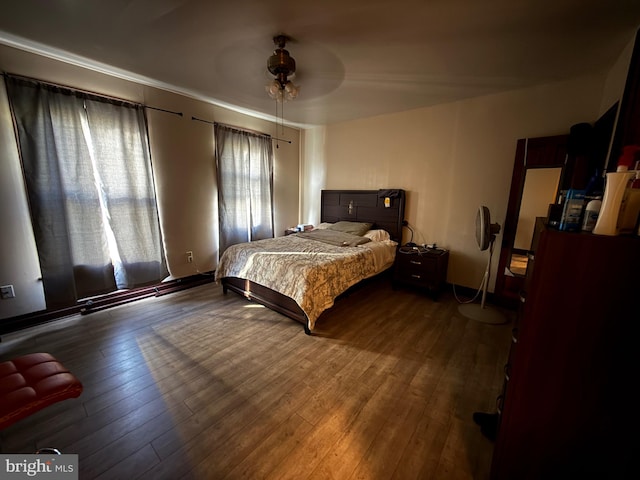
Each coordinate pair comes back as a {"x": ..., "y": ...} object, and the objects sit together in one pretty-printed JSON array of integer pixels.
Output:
[{"x": 365, "y": 206}]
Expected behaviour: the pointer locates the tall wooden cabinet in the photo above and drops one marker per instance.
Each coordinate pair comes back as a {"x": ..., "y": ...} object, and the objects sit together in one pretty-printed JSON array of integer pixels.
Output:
[{"x": 569, "y": 408}]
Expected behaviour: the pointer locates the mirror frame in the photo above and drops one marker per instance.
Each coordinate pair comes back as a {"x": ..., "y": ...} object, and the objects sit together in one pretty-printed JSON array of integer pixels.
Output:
[{"x": 542, "y": 152}]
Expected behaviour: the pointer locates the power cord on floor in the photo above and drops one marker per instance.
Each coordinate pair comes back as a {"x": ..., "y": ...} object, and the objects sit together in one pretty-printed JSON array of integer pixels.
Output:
[{"x": 475, "y": 297}]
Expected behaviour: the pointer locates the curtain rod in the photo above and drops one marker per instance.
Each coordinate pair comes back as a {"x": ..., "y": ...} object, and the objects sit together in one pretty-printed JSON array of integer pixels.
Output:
[
  {"x": 241, "y": 129},
  {"x": 85, "y": 92},
  {"x": 163, "y": 110},
  {"x": 71, "y": 89},
  {"x": 204, "y": 121}
]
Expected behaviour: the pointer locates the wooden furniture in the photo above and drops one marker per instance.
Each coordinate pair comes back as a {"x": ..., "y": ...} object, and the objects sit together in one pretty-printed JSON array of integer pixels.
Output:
[
  {"x": 543, "y": 152},
  {"x": 335, "y": 205},
  {"x": 577, "y": 156},
  {"x": 568, "y": 409},
  {"x": 424, "y": 268}
]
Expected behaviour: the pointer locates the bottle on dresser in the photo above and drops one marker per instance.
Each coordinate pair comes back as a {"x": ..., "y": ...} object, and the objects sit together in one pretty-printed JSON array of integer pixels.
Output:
[
  {"x": 630, "y": 207},
  {"x": 591, "y": 212},
  {"x": 616, "y": 186}
]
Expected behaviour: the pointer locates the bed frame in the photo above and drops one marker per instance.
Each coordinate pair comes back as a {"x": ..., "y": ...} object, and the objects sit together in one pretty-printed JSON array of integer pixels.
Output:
[{"x": 335, "y": 205}]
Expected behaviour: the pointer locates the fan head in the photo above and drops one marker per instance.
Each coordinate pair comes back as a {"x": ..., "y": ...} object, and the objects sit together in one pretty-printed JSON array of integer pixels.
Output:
[{"x": 485, "y": 230}]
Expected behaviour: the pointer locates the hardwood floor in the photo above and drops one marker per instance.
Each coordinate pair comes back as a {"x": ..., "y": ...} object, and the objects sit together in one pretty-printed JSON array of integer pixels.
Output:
[{"x": 201, "y": 385}]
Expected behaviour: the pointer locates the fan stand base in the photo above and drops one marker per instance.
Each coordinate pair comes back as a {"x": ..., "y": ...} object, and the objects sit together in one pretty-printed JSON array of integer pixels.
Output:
[{"x": 482, "y": 314}]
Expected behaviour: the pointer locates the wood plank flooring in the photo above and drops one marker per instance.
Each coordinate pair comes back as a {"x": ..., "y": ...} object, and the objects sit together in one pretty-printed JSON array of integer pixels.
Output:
[{"x": 202, "y": 385}]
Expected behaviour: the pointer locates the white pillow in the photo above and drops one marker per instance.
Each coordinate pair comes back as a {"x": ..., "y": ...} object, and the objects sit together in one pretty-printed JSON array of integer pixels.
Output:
[
  {"x": 323, "y": 226},
  {"x": 377, "y": 235}
]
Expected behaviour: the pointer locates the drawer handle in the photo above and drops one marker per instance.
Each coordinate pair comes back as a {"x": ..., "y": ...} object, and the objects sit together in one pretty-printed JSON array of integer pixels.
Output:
[
  {"x": 514, "y": 335},
  {"x": 507, "y": 372},
  {"x": 416, "y": 276},
  {"x": 499, "y": 404},
  {"x": 415, "y": 262}
]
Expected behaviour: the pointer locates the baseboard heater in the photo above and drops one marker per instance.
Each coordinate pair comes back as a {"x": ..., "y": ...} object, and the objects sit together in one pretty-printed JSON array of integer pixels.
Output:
[{"x": 102, "y": 302}]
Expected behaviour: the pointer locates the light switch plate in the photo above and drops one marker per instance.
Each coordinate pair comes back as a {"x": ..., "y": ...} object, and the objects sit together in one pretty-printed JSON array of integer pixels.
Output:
[{"x": 6, "y": 291}]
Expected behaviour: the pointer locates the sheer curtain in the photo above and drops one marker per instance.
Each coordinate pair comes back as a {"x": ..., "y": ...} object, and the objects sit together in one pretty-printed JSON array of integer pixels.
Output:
[
  {"x": 88, "y": 175},
  {"x": 244, "y": 162}
]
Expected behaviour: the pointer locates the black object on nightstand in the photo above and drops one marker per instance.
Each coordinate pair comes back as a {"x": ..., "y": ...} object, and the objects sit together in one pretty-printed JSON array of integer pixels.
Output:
[{"x": 421, "y": 267}]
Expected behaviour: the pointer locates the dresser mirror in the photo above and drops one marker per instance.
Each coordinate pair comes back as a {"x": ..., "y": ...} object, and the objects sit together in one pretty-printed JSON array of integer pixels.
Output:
[
  {"x": 544, "y": 167},
  {"x": 539, "y": 168},
  {"x": 541, "y": 187}
]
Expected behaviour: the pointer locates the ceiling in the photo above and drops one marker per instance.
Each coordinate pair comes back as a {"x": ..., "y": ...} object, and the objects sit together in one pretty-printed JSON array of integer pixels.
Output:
[{"x": 355, "y": 58}]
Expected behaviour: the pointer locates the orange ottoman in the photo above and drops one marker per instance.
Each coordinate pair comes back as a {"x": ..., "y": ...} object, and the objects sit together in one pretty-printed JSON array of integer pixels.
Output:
[{"x": 32, "y": 382}]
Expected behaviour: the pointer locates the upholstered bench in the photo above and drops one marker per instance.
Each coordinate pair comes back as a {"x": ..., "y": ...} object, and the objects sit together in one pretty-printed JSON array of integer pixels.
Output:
[{"x": 32, "y": 382}]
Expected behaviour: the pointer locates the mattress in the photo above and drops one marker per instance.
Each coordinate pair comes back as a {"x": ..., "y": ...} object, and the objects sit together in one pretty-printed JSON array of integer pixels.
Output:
[{"x": 312, "y": 271}]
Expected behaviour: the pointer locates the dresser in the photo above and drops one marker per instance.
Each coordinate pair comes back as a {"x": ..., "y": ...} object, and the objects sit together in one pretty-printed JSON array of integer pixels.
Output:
[
  {"x": 422, "y": 268},
  {"x": 568, "y": 409}
]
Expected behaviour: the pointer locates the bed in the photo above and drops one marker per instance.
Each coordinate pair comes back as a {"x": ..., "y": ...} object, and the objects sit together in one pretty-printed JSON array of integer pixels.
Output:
[{"x": 301, "y": 275}]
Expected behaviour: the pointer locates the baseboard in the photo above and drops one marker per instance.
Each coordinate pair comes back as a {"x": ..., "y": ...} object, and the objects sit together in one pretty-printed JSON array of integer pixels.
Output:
[{"x": 103, "y": 302}]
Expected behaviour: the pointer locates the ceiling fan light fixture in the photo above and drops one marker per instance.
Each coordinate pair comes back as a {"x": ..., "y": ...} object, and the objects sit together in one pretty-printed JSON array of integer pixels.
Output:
[
  {"x": 273, "y": 88},
  {"x": 282, "y": 65},
  {"x": 291, "y": 91}
]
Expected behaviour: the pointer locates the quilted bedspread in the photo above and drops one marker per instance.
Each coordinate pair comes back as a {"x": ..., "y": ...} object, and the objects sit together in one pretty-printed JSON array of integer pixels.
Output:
[{"x": 311, "y": 272}]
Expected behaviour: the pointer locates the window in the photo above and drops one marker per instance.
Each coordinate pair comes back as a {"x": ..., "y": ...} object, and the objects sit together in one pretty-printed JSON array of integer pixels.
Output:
[
  {"x": 88, "y": 175},
  {"x": 244, "y": 165}
]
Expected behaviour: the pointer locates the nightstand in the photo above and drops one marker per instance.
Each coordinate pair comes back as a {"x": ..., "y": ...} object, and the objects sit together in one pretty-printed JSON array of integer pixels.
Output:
[{"x": 423, "y": 268}]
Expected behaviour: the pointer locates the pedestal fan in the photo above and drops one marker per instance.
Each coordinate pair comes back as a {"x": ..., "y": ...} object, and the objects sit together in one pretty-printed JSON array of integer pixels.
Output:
[{"x": 485, "y": 236}]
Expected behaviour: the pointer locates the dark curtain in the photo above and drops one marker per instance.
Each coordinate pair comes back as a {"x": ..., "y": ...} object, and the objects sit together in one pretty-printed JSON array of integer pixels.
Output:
[
  {"x": 244, "y": 162},
  {"x": 88, "y": 175}
]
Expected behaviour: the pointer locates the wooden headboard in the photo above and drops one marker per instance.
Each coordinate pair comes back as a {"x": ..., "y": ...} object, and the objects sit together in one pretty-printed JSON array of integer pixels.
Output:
[{"x": 365, "y": 206}]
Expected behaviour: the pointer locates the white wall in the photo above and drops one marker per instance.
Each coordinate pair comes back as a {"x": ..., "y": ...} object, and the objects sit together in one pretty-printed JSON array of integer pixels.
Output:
[
  {"x": 452, "y": 158},
  {"x": 183, "y": 165},
  {"x": 313, "y": 173},
  {"x": 18, "y": 265},
  {"x": 449, "y": 158}
]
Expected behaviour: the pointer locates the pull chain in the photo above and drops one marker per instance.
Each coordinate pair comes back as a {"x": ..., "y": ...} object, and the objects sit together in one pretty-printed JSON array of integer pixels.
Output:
[{"x": 277, "y": 145}]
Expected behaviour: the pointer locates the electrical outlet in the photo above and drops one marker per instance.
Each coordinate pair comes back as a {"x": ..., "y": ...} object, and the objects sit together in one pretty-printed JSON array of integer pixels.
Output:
[
  {"x": 6, "y": 291},
  {"x": 189, "y": 256}
]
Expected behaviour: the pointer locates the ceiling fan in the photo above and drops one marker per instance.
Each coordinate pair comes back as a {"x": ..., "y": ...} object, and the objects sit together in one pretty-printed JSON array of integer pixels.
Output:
[{"x": 282, "y": 65}]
